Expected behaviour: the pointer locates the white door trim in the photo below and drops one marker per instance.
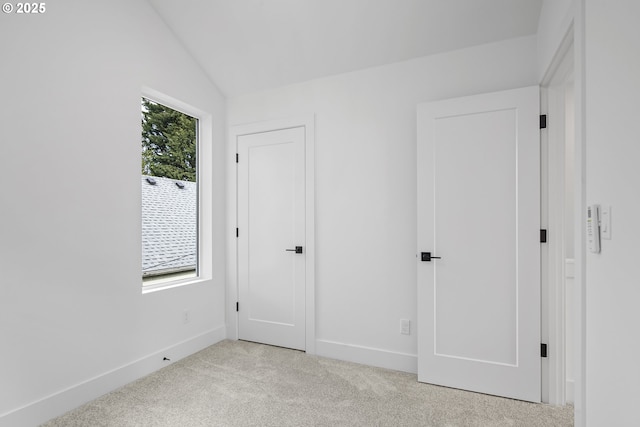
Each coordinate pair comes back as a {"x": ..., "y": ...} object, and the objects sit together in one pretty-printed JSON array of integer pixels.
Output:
[
  {"x": 575, "y": 39},
  {"x": 308, "y": 122},
  {"x": 553, "y": 103},
  {"x": 580, "y": 261}
]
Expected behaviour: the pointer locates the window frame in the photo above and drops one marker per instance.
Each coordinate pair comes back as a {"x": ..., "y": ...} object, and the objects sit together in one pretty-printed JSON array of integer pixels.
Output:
[{"x": 204, "y": 125}]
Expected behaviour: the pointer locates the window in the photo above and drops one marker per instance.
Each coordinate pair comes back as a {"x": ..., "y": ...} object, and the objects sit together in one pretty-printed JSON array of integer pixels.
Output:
[{"x": 169, "y": 194}]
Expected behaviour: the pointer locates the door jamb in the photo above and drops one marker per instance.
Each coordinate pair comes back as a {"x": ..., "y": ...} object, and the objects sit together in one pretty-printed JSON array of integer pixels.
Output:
[
  {"x": 235, "y": 131},
  {"x": 562, "y": 67}
]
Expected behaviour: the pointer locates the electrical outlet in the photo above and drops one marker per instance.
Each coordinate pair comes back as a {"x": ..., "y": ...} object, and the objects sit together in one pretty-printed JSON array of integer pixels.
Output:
[
  {"x": 186, "y": 316},
  {"x": 405, "y": 327}
]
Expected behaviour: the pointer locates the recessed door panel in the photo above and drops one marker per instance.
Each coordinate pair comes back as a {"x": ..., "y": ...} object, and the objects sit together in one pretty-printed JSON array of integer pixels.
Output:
[{"x": 476, "y": 197}]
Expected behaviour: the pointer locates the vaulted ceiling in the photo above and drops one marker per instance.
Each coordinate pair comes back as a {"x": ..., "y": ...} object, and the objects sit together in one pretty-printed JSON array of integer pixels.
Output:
[{"x": 250, "y": 45}]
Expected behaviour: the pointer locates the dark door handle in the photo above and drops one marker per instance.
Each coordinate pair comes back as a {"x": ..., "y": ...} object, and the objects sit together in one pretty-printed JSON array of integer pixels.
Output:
[
  {"x": 297, "y": 250},
  {"x": 426, "y": 256}
]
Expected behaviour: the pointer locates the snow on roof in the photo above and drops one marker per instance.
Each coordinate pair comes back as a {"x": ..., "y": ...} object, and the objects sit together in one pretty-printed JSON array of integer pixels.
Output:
[{"x": 169, "y": 226}]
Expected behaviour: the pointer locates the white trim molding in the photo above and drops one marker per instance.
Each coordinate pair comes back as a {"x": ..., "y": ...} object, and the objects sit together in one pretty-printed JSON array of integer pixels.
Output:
[
  {"x": 368, "y": 356},
  {"x": 570, "y": 290},
  {"x": 56, "y": 404}
]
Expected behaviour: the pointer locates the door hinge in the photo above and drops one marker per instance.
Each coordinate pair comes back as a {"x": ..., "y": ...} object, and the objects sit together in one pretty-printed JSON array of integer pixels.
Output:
[
  {"x": 237, "y": 158},
  {"x": 543, "y": 236},
  {"x": 543, "y": 350},
  {"x": 237, "y": 232},
  {"x": 543, "y": 121},
  {"x": 237, "y": 306}
]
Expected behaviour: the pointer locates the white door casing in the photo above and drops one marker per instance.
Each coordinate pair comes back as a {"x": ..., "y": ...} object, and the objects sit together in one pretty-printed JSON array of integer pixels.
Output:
[
  {"x": 479, "y": 210},
  {"x": 271, "y": 223}
]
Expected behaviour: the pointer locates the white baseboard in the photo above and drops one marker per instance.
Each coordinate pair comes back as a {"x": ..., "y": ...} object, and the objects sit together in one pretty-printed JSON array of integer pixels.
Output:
[
  {"x": 569, "y": 392},
  {"x": 368, "y": 356},
  {"x": 63, "y": 401}
]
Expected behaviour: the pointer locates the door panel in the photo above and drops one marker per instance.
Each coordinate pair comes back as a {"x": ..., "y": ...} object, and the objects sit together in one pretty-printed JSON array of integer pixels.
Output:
[
  {"x": 478, "y": 209},
  {"x": 271, "y": 281},
  {"x": 476, "y": 196}
]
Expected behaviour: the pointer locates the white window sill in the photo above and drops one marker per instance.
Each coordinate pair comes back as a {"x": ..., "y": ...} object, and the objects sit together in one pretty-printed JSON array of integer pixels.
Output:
[{"x": 159, "y": 284}]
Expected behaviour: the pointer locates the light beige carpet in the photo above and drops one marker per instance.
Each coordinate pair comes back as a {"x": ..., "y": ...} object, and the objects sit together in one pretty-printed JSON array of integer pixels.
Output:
[{"x": 236, "y": 383}]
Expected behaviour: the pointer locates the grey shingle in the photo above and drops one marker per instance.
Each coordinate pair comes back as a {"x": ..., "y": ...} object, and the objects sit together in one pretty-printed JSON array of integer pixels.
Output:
[{"x": 169, "y": 226}]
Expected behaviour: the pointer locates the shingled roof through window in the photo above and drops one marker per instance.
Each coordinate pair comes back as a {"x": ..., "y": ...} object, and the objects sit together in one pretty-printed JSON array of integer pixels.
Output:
[{"x": 169, "y": 230}]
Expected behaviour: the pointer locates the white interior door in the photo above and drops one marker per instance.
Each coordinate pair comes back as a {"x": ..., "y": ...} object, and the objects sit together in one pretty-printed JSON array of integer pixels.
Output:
[
  {"x": 271, "y": 224},
  {"x": 479, "y": 211}
]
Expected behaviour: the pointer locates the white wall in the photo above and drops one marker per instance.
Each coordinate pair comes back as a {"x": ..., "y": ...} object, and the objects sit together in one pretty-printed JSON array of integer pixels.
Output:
[
  {"x": 71, "y": 308},
  {"x": 613, "y": 178},
  {"x": 366, "y": 186},
  {"x": 556, "y": 17}
]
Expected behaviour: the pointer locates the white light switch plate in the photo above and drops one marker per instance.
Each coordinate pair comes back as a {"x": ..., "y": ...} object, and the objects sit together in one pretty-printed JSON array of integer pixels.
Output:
[{"x": 405, "y": 327}]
